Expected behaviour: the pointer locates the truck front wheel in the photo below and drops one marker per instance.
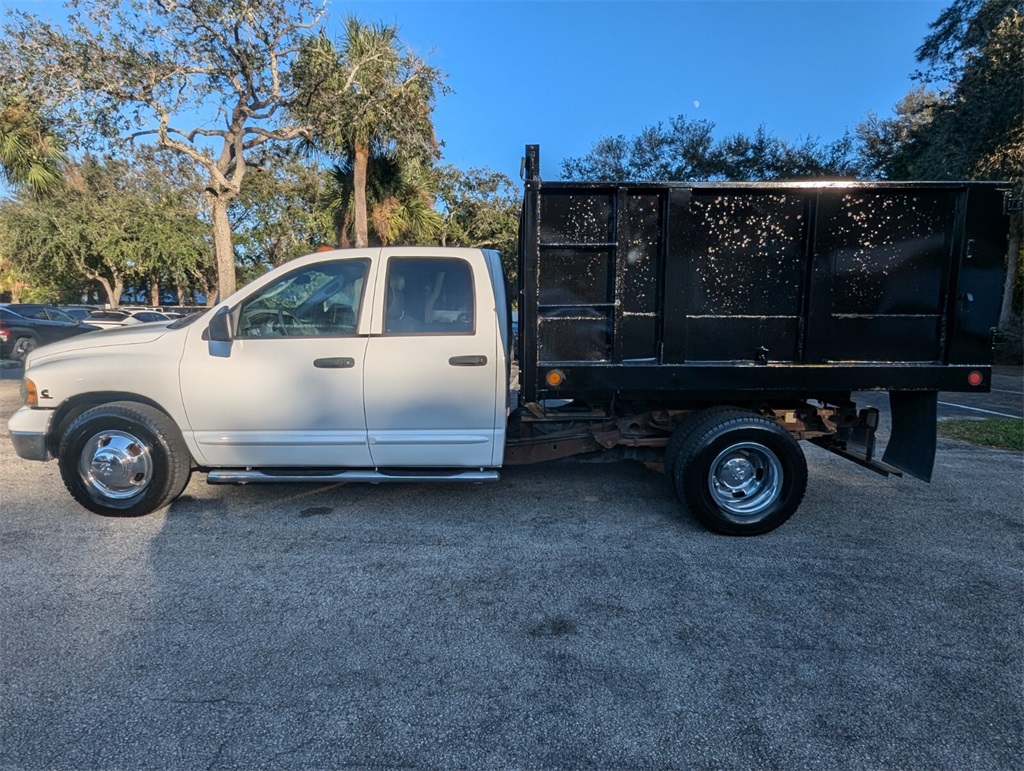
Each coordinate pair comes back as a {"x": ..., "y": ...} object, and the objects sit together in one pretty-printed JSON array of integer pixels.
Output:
[
  {"x": 124, "y": 459},
  {"x": 740, "y": 473}
]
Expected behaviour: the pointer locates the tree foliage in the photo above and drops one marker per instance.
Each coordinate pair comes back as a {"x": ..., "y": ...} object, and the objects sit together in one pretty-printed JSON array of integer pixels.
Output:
[
  {"x": 367, "y": 98},
  {"x": 687, "y": 150},
  {"x": 959, "y": 35},
  {"x": 970, "y": 123},
  {"x": 120, "y": 70},
  {"x": 112, "y": 223},
  {"x": 973, "y": 127},
  {"x": 281, "y": 212},
  {"x": 400, "y": 192},
  {"x": 882, "y": 141},
  {"x": 480, "y": 209},
  {"x": 31, "y": 153}
]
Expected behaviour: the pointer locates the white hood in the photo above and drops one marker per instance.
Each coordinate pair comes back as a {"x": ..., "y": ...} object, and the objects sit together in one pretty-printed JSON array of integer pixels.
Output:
[{"x": 136, "y": 334}]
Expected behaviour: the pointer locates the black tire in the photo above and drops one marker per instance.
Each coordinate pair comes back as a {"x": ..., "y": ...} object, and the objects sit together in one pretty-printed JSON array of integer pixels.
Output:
[
  {"x": 124, "y": 459},
  {"x": 681, "y": 435},
  {"x": 22, "y": 347},
  {"x": 739, "y": 473}
]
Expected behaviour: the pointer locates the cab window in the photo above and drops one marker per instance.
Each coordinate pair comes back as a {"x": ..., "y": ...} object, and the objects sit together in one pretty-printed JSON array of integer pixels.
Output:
[
  {"x": 432, "y": 296},
  {"x": 318, "y": 300}
]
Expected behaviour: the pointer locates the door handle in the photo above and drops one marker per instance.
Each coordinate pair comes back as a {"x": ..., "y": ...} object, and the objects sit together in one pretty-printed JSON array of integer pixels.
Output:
[
  {"x": 335, "y": 362},
  {"x": 468, "y": 361}
]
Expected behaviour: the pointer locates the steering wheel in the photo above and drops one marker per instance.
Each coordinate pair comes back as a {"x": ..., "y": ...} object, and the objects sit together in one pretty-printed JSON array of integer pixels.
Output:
[
  {"x": 286, "y": 322},
  {"x": 270, "y": 323}
]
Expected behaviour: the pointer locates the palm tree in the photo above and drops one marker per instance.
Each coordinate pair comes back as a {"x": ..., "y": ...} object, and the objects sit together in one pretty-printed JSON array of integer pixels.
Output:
[
  {"x": 399, "y": 201},
  {"x": 408, "y": 214},
  {"x": 31, "y": 155},
  {"x": 367, "y": 98}
]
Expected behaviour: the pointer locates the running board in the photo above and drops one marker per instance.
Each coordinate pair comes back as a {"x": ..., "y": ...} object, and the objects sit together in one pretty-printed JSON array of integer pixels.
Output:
[{"x": 245, "y": 476}]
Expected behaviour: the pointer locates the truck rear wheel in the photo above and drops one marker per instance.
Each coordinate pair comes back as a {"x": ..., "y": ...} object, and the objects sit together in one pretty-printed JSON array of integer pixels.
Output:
[
  {"x": 739, "y": 473},
  {"x": 681, "y": 436},
  {"x": 124, "y": 459}
]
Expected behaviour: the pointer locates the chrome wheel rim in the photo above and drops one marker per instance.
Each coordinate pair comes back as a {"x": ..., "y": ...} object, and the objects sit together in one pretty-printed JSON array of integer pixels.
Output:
[
  {"x": 745, "y": 479},
  {"x": 116, "y": 464}
]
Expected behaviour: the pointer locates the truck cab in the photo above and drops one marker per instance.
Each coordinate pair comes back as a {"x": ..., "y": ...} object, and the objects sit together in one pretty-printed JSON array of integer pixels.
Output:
[{"x": 385, "y": 358}]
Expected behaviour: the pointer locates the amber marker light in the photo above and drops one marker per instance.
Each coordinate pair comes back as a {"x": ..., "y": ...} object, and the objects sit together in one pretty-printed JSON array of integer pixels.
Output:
[
  {"x": 975, "y": 378},
  {"x": 555, "y": 378},
  {"x": 29, "y": 394}
]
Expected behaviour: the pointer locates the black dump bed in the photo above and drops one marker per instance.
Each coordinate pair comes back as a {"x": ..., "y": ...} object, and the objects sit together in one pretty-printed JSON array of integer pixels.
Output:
[{"x": 710, "y": 292}]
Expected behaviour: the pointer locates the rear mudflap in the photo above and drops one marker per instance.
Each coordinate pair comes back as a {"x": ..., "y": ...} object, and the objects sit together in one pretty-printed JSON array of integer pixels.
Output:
[{"x": 911, "y": 445}]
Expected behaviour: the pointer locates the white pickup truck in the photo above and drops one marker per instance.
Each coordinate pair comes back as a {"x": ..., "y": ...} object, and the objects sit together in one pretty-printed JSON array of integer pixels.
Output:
[
  {"x": 703, "y": 328},
  {"x": 352, "y": 362}
]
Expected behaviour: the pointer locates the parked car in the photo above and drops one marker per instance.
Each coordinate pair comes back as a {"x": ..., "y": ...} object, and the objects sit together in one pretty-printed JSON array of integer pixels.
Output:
[
  {"x": 180, "y": 311},
  {"x": 80, "y": 312},
  {"x": 121, "y": 317},
  {"x": 21, "y": 334},
  {"x": 43, "y": 312}
]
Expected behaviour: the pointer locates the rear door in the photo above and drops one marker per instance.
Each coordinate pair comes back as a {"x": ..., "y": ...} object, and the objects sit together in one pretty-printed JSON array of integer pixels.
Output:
[{"x": 433, "y": 363}]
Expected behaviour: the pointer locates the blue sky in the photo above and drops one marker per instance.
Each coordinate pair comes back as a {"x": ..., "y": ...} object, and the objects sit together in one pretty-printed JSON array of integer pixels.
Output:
[{"x": 564, "y": 74}]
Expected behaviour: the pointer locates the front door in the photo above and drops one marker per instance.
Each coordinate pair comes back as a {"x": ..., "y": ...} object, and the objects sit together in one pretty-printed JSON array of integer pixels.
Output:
[
  {"x": 433, "y": 373},
  {"x": 289, "y": 389}
]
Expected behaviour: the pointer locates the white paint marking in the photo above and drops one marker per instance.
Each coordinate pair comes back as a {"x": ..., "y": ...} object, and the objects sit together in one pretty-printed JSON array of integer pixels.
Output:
[{"x": 978, "y": 409}]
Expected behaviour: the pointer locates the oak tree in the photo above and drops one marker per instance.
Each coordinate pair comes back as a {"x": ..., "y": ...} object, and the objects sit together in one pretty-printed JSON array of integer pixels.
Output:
[
  {"x": 208, "y": 80},
  {"x": 113, "y": 222},
  {"x": 687, "y": 150}
]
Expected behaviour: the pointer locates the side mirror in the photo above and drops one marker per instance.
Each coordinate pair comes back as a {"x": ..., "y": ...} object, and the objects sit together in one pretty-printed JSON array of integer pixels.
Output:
[{"x": 220, "y": 326}]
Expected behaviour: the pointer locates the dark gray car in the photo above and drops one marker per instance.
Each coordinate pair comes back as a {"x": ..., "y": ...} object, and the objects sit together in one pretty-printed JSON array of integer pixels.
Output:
[{"x": 20, "y": 334}]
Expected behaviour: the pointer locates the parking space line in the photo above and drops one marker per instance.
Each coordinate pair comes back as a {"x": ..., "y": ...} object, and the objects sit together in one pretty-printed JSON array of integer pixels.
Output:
[{"x": 978, "y": 409}]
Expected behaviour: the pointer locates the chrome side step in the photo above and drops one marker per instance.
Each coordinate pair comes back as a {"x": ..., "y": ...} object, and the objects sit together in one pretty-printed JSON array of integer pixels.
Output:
[{"x": 374, "y": 476}]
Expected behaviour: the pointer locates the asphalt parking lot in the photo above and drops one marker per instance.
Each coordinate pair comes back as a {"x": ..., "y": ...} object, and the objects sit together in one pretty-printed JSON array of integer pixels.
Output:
[{"x": 568, "y": 616}]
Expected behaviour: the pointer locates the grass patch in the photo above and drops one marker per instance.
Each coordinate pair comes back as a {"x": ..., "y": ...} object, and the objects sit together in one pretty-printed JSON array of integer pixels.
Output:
[{"x": 1005, "y": 433}]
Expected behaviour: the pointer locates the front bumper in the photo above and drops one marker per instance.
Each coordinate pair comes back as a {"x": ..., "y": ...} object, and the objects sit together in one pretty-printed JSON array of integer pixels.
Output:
[{"x": 28, "y": 429}]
